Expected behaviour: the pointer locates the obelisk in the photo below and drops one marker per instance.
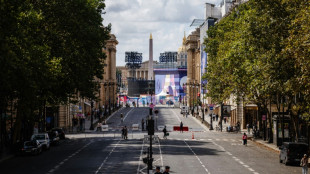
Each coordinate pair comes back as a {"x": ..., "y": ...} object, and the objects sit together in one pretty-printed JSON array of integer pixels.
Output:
[{"x": 150, "y": 71}]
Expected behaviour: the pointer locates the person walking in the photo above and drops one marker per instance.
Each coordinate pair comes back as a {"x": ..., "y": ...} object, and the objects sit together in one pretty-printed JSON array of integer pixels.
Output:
[
  {"x": 181, "y": 127},
  {"x": 126, "y": 133},
  {"x": 157, "y": 170},
  {"x": 167, "y": 170},
  {"x": 304, "y": 164},
  {"x": 123, "y": 133},
  {"x": 165, "y": 133},
  {"x": 142, "y": 124},
  {"x": 122, "y": 118},
  {"x": 248, "y": 127},
  {"x": 244, "y": 138}
]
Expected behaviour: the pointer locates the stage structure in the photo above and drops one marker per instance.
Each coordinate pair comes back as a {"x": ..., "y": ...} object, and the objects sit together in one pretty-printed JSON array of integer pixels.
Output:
[
  {"x": 168, "y": 56},
  {"x": 169, "y": 79},
  {"x": 133, "y": 61}
]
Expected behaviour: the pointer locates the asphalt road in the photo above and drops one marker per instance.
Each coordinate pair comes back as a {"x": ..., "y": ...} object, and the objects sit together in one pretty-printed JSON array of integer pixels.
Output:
[{"x": 197, "y": 152}]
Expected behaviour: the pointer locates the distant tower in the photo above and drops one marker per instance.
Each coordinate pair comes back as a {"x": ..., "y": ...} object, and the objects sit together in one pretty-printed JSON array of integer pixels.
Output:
[{"x": 150, "y": 72}]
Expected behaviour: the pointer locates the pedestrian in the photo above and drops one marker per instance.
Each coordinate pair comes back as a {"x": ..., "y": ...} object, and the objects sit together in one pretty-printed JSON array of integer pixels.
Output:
[
  {"x": 217, "y": 117},
  {"x": 126, "y": 133},
  {"x": 181, "y": 127},
  {"x": 224, "y": 120},
  {"x": 99, "y": 127},
  {"x": 304, "y": 164},
  {"x": 167, "y": 170},
  {"x": 244, "y": 138},
  {"x": 123, "y": 133},
  {"x": 165, "y": 133},
  {"x": 248, "y": 127},
  {"x": 158, "y": 170},
  {"x": 142, "y": 124},
  {"x": 122, "y": 117}
]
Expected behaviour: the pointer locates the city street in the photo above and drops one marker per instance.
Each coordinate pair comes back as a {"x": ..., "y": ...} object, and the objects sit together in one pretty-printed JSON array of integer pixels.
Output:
[{"x": 197, "y": 151}]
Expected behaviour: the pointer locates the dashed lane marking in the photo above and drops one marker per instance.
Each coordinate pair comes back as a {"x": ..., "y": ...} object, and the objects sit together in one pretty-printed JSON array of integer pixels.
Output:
[
  {"x": 207, "y": 171},
  {"x": 106, "y": 158},
  {"x": 63, "y": 161}
]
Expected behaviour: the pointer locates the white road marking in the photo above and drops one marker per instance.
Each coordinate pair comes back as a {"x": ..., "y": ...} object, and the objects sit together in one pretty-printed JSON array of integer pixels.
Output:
[
  {"x": 161, "y": 155},
  {"x": 114, "y": 114},
  {"x": 176, "y": 115},
  {"x": 138, "y": 170},
  {"x": 197, "y": 158},
  {"x": 107, "y": 157},
  {"x": 235, "y": 158},
  {"x": 63, "y": 161}
]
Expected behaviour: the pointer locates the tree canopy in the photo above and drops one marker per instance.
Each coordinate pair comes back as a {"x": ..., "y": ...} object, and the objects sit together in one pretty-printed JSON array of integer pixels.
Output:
[
  {"x": 260, "y": 50},
  {"x": 49, "y": 50}
]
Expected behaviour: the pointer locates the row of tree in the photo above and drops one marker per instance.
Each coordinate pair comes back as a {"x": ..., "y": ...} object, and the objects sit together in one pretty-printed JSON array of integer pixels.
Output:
[
  {"x": 261, "y": 52},
  {"x": 49, "y": 50}
]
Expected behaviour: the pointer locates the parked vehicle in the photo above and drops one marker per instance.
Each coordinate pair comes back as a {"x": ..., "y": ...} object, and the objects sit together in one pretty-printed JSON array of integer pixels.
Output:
[
  {"x": 184, "y": 109},
  {"x": 292, "y": 152},
  {"x": 43, "y": 138},
  {"x": 61, "y": 132},
  {"x": 54, "y": 137},
  {"x": 31, "y": 147}
]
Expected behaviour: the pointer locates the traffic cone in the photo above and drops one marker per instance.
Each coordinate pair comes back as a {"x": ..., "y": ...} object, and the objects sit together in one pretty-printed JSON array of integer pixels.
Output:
[{"x": 193, "y": 135}]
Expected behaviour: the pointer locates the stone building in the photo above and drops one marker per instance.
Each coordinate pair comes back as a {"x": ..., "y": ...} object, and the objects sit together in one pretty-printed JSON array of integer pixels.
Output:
[
  {"x": 193, "y": 67},
  {"x": 182, "y": 54},
  {"x": 106, "y": 94}
]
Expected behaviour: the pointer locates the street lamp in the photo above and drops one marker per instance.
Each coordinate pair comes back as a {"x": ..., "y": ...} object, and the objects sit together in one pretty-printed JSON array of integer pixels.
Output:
[
  {"x": 202, "y": 108},
  {"x": 110, "y": 84},
  {"x": 91, "y": 116},
  {"x": 105, "y": 96},
  {"x": 192, "y": 85},
  {"x": 197, "y": 87}
]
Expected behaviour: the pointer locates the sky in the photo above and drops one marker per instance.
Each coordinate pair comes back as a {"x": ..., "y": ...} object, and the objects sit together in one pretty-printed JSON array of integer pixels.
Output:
[{"x": 134, "y": 20}]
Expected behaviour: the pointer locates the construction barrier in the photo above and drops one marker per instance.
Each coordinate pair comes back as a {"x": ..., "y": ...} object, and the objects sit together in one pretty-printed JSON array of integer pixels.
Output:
[
  {"x": 177, "y": 128},
  {"x": 105, "y": 128},
  {"x": 135, "y": 127}
]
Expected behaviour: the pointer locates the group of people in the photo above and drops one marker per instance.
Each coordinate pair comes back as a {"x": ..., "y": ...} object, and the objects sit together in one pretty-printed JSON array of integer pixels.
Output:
[
  {"x": 167, "y": 170},
  {"x": 125, "y": 133}
]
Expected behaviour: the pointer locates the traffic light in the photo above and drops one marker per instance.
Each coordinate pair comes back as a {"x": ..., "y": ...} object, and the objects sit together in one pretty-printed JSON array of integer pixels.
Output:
[
  {"x": 198, "y": 94},
  {"x": 150, "y": 127}
]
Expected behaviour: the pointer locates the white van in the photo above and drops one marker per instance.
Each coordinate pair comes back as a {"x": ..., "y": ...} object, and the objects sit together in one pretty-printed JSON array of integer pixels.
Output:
[
  {"x": 43, "y": 139},
  {"x": 184, "y": 109}
]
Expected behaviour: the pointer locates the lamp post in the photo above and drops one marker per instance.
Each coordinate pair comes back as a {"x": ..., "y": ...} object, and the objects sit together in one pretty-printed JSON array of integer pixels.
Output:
[
  {"x": 113, "y": 96},
  {"x": 197, "y": 87},
  {"x": 105, "y": 103},
  {"x": 92, "y": 115},
  {"x": 109, "y": 99},
  {"x": 192, "y": 97},
  {"x": 203, "y": 105},
  {"x": 183, "y": 93}
]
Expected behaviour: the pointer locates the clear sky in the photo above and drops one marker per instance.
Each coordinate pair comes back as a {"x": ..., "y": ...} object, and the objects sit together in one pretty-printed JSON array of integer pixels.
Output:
[{"x": 133, "y": 21}]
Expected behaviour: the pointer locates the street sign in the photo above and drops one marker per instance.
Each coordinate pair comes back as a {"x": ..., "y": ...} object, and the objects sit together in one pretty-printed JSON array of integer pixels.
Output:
[
  {"x": 263, "y": 117},
  {"x": 211, "y": 108}
]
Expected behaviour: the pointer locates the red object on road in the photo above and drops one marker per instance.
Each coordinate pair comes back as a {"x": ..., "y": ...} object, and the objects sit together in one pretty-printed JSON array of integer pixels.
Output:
[{"x": 177, "y": 128}]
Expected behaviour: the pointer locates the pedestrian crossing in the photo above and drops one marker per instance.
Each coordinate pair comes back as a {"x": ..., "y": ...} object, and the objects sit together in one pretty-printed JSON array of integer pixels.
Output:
[
  {"x": 233, "y": 142},
  {"x": 222, "y": 139}
]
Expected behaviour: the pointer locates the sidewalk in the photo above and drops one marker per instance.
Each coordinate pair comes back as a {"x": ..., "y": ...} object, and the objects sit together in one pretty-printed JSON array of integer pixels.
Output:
[
  {"x": 259, "y": 142},
  {"x": 95, "y": 122}
]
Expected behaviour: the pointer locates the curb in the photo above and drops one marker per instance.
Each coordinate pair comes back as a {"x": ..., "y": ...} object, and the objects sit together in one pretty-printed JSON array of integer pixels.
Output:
[{"x": 265, "y": 146}]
